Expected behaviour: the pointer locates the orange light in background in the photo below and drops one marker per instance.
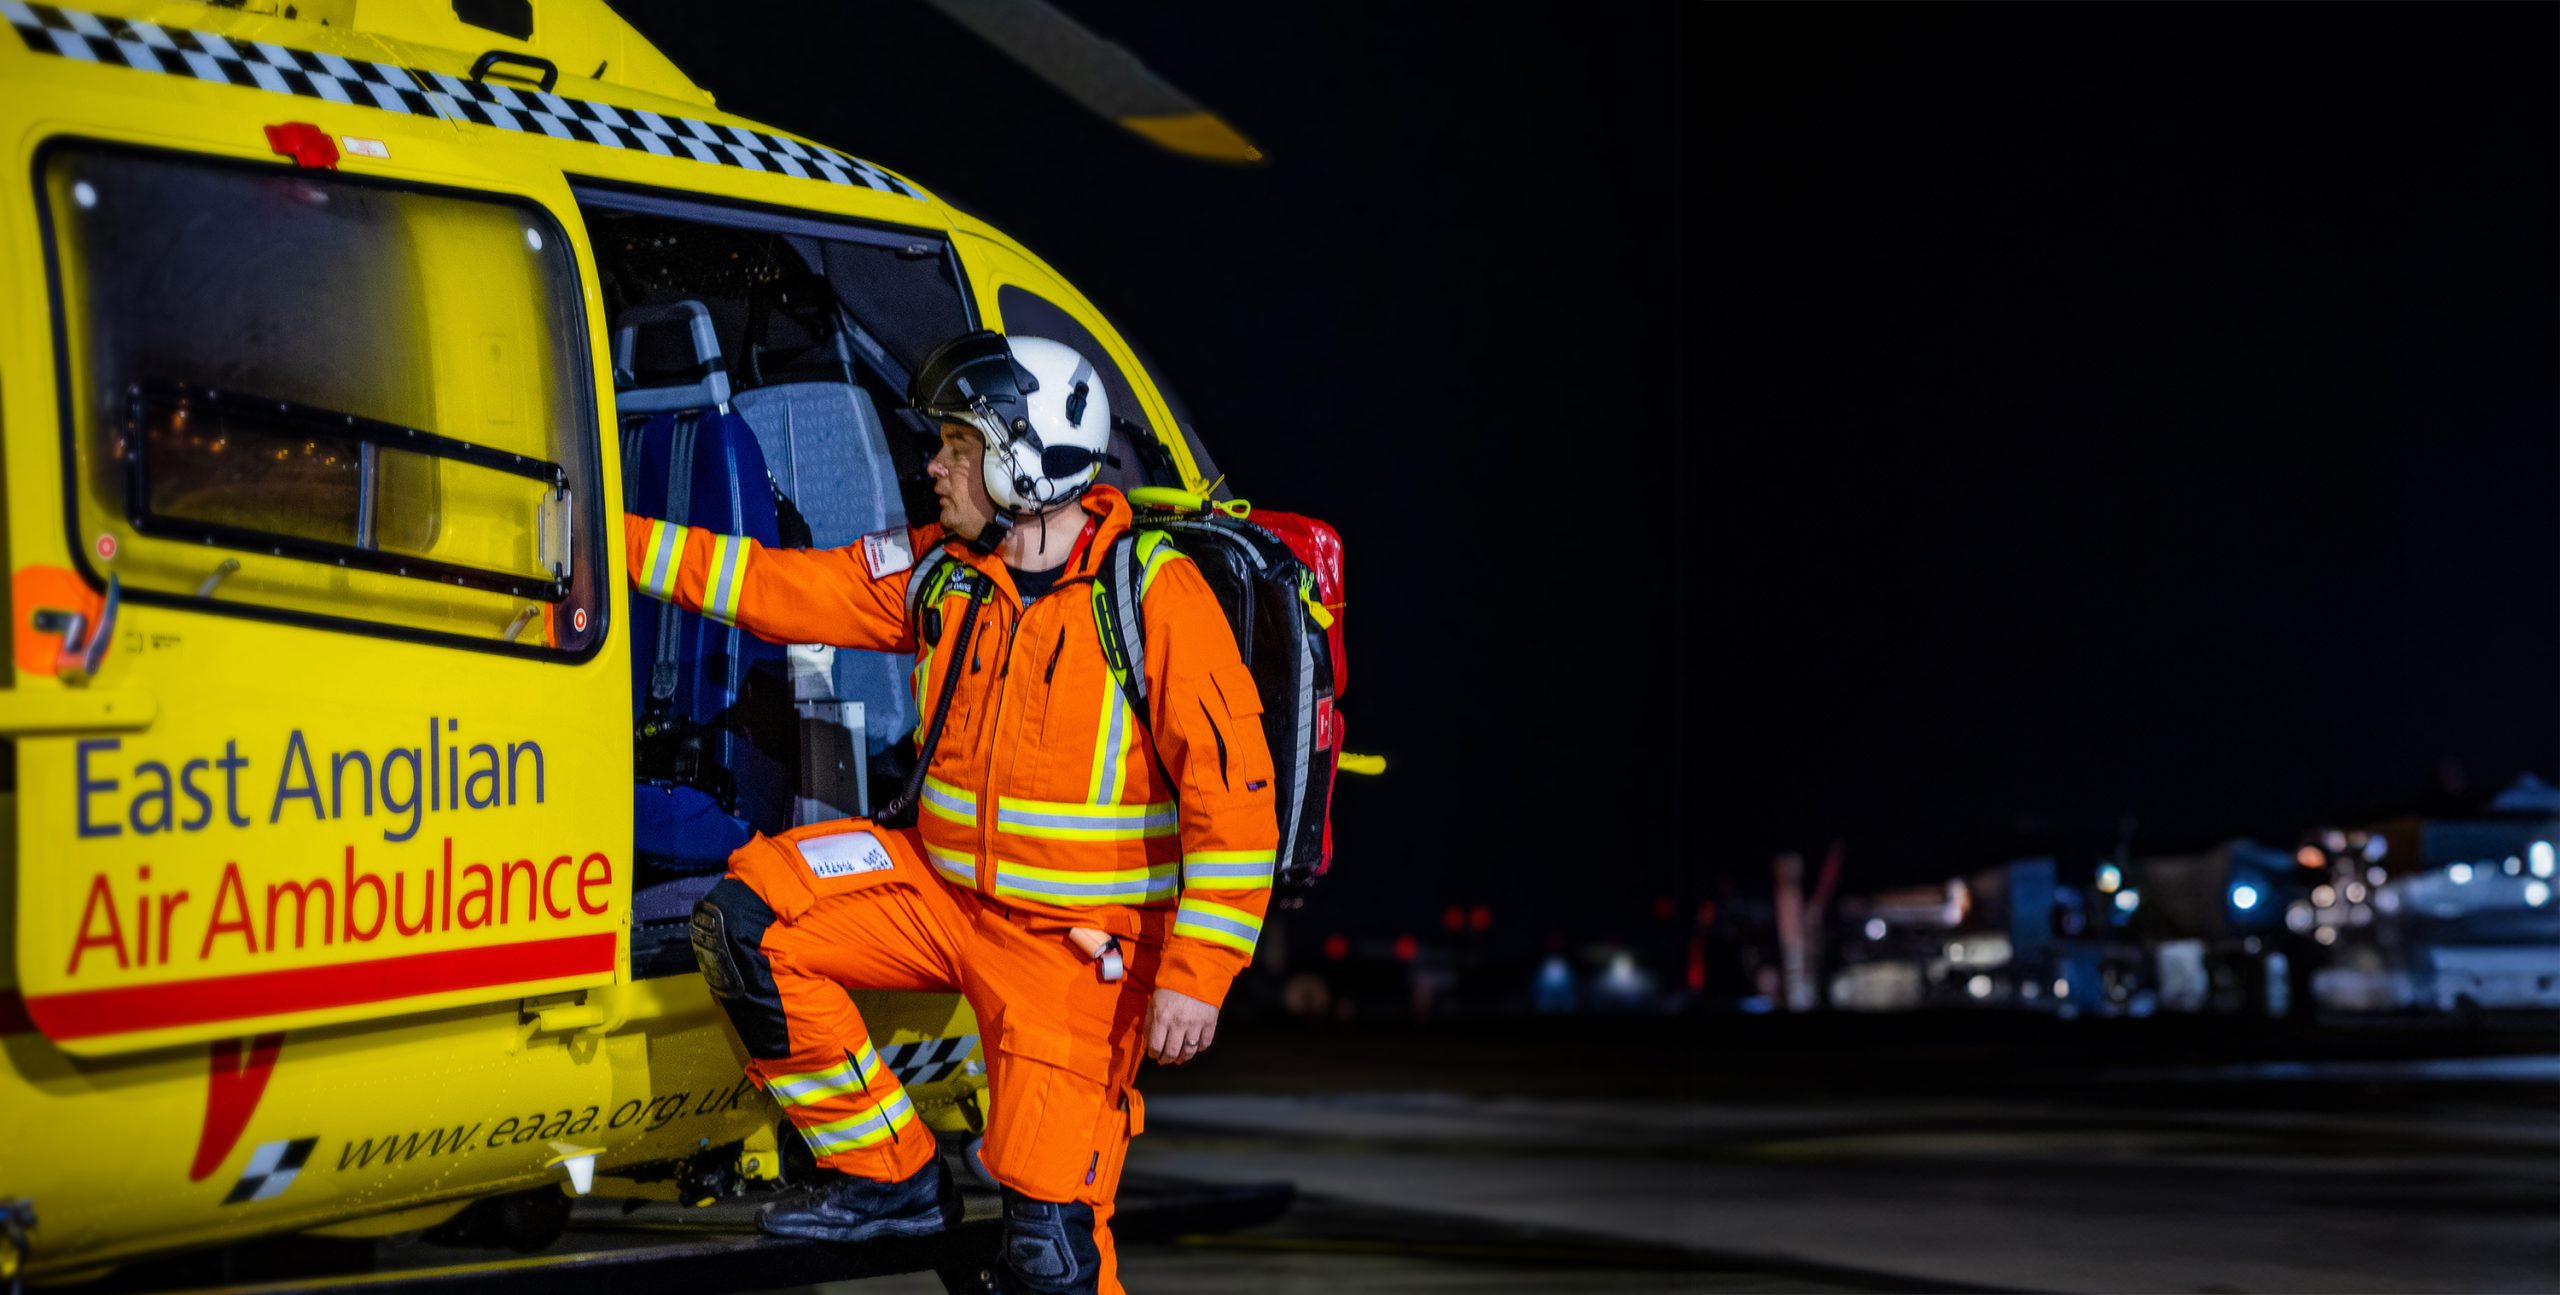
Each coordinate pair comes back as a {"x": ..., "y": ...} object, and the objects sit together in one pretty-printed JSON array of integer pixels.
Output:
[
  {"x": 2308, "y": 856},
  {"x": 1406, "y": 948},
  {"x": 1336, "y": 947},
  {"x": 1479, "y": 918}
]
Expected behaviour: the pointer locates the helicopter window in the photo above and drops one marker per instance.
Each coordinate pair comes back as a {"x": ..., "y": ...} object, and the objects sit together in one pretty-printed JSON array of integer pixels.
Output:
[
  {"x": 375, "y": 408},
  {"x": 791, "y": 298},
  {"x": 1138, "y": 462},
  {"x": 899, "y": 289}
]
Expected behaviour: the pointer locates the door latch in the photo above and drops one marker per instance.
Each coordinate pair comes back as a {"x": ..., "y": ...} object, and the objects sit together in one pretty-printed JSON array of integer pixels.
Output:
[{"x": 84, "y": 644}]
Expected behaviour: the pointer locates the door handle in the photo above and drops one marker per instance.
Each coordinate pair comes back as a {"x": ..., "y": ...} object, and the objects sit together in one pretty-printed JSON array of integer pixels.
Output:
[
  {"x": 30, "y": 712},
  {"x": 84, "y": 645}
]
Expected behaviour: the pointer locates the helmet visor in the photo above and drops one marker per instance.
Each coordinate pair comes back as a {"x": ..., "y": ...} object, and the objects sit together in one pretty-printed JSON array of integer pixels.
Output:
[{"x": 971, "y": 378}]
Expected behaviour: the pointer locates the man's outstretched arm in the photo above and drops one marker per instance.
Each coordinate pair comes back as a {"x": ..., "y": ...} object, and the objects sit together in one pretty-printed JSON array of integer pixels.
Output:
[{"x": 829, "y": 596}]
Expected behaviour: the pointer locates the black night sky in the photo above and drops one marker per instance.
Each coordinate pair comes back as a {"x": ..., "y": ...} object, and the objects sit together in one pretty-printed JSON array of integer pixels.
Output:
[{"x": 1956, "y": 430}]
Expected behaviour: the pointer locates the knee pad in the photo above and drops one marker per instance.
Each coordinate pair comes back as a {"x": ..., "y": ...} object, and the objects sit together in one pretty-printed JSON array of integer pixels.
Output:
[
  {"x": 1048, "y": 1248},
  {"x": 728, "y": 945}
]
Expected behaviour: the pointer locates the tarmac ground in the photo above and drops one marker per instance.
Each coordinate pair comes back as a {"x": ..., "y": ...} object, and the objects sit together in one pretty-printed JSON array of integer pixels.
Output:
[{"x": 1653, "y": 1154}]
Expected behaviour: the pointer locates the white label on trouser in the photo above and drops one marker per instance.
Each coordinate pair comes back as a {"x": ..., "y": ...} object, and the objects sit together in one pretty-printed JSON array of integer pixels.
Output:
[{"x": 845, "y": 854}]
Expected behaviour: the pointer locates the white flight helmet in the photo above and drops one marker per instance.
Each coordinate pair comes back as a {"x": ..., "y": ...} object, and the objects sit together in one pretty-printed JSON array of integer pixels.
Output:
[{"x": 1039, "y": 405}]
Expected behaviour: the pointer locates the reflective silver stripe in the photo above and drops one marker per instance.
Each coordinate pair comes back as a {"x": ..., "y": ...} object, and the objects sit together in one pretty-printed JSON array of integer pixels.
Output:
[
  {"x": 792, "y": 1092},
  {"x": 1300, "y": 752},
  {"x": 963, "y": 872},
  {"x": 1149, "y": 817},
  {"x": 800, "y": 1090},
  {"x": 1110, "y": 783},
  {"x": 728, "y": 575},
  {"x": 957, "y": 802},
  {"x": 862, "y": 1130},
  {"x": 1210, "y": 875},
  {"x": 666, "y": 556},
  {"x": 1155, "y": 885},
  {"x": 1189, "y": 916},
  {"x": 1124, "y": 584}
]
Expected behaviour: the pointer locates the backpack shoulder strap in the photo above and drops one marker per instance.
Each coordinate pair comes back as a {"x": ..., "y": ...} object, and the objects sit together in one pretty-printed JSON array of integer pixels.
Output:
[
  {"x": 1116, "y": 621},
  {"x": 931, "y": 579},
  {"x": 1129, "y": 570}
]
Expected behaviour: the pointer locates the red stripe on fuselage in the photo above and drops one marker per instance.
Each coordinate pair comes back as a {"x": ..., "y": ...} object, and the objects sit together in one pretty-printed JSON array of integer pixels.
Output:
[{"x": 128, "y": 1009}]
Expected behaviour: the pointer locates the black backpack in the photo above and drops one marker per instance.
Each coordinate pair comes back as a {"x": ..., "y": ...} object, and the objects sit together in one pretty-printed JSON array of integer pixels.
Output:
[{"x": 1269, "y": 598}]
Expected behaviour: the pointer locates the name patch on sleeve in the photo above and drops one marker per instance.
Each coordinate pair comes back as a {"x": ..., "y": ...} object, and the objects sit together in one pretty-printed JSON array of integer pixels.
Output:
[
  {"x": 846, "y": 854},
  {"x": 887, "y": 553}
]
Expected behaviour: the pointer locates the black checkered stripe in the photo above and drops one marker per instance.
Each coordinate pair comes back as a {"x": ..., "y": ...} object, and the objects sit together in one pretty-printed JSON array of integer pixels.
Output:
[
  {"x": 271, "y": 1169},
  {"x": 263, "y": 65},
  {"x": 204, "y": 56},
  {"x": 928, "y": 1061},
  {"x": 540, "y": 112}
]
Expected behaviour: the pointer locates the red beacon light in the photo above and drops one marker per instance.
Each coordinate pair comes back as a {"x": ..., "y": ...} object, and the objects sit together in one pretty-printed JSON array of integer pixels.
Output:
[{"x": 309, "y": 146}]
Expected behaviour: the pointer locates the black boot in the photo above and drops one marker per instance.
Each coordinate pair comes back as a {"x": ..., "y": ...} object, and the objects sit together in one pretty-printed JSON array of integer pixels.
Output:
[
  {"x": 1048, "y": 1248},
  {"x": 840, "y": 1207}
]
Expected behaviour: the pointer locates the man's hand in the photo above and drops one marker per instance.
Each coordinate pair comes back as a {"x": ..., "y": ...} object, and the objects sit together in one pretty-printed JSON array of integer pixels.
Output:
[{"x": 1179, "y": 1027}]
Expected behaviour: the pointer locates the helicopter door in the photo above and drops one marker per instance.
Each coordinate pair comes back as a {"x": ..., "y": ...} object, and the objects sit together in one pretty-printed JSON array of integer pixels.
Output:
[{"x": 314, "y": 714}]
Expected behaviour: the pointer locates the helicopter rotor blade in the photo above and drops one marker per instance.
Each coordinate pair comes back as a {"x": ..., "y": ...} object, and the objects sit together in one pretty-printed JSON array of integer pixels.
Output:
[{"x": 1102, "y": 76}]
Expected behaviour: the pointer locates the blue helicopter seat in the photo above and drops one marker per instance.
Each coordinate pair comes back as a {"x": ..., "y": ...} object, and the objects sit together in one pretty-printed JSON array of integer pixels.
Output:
[
  {"x": 701, "y": 690},
  {"x": 829, "y": 454}
]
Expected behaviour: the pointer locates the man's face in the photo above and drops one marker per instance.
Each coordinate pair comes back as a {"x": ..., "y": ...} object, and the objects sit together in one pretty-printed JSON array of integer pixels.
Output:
[{"x": 966, "y": 508}]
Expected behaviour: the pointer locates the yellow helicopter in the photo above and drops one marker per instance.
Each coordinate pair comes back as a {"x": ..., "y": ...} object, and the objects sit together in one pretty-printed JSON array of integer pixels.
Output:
[{"x": 354, "y": 809}]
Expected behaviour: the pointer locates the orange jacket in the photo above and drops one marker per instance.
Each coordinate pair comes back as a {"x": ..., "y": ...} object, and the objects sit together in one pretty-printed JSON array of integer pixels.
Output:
[{"x": 1043, "y": 795}]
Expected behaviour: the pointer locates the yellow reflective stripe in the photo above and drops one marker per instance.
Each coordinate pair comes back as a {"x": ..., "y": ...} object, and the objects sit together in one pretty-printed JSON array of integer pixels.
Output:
[
  {"x": 661, "y": 558},
  {"x": 954, "y": 866},
  {"x": 727, "y": 578},
  {"x": 1218, "y": 924},
  {"x": 858, "y": 1131},
  {"x": 949, "y": 803},
  {"x": 1111, "y": 747},
  {"x": 1228, "y": 869},
  {"x": 1058, "y": 820},
  {"x": 1065, "y": 886},
  {"x": 801, "y": 1090}
]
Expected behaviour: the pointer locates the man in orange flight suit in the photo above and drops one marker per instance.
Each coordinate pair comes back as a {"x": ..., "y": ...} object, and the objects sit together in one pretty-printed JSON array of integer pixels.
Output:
[{"x": 1047, "y": 806}]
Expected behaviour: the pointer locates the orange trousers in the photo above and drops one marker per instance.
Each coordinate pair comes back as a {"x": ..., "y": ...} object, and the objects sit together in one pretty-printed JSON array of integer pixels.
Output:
[{"x": 1062, "y": 1044}]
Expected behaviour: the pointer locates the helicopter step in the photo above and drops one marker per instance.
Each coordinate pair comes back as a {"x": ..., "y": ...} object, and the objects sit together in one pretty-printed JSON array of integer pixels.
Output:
[{"x": 621, "y": 1247}]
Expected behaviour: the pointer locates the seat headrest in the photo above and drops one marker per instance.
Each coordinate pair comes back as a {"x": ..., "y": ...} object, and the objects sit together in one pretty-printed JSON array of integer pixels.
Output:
[{"x": 708, "y": 387}]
